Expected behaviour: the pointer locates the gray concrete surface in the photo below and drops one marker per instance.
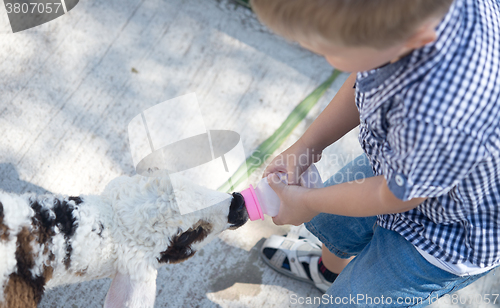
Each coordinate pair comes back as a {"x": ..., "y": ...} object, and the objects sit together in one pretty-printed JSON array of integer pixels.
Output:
[{"x": 70, "y": 87}]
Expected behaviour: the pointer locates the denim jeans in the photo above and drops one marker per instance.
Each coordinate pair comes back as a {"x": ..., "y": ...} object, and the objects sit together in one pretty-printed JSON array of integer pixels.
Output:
[{"x": 387, "y": 271}]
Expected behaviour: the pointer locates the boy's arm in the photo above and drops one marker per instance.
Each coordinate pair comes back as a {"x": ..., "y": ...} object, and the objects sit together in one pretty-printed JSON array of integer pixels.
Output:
[
  {"x": 338, "y": 118},
  {"x": 368, "y": 197}
]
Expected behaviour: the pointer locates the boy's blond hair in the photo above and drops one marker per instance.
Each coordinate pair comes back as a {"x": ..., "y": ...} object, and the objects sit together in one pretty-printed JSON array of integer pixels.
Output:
[{"x": 371, "y": 23}]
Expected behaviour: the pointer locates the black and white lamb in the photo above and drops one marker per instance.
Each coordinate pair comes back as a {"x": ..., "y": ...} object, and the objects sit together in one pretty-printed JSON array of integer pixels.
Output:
[{"x": 126, "y": 233}]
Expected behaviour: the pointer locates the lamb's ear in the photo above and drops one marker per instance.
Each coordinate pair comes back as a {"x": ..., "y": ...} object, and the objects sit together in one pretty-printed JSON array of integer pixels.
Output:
[
  {"x": 124, "y": 292},
  {"x": 180, "y": 245}
]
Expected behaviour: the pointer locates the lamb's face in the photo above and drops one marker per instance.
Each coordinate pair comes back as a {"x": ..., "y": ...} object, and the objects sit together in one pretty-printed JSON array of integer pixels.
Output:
[
  {"x": 206, "y": 225},
  {"x": 147, "y": 216}
]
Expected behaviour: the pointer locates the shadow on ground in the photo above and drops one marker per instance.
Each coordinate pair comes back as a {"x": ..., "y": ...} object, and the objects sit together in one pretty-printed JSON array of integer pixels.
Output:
[{"x": 10, "y": 181}]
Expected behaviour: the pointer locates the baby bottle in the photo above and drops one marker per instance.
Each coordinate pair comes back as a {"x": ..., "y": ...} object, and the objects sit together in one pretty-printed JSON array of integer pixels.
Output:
[{"x": 263, "y": 200}]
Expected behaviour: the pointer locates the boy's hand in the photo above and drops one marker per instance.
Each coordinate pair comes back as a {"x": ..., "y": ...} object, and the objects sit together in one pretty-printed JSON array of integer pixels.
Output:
[
  {"x": 292, "y": 208},
  {"x": 293, "y": 161}
]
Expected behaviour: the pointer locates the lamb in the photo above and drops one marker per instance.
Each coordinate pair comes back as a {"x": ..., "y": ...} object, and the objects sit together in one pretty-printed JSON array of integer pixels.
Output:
[{"x": 126, "y": 233}]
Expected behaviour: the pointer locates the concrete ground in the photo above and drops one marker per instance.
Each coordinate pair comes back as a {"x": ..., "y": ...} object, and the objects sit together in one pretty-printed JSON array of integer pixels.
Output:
[{"x": 70, "y": 87}]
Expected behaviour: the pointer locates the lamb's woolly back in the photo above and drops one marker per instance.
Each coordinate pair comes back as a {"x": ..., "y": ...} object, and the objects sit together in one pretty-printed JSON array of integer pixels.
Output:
[
  {"x": 90, "y": 251},
  {"x": 129, "y": 231},
  {"x": 42, "y": 245}
]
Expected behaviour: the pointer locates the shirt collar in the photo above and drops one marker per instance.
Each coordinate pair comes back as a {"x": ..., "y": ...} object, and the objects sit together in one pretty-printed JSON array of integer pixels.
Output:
[{"x": 447, "y": 30}]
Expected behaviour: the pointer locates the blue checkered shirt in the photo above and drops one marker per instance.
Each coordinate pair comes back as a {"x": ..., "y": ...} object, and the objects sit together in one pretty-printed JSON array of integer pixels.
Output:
[{"x": 430, "y": 124}]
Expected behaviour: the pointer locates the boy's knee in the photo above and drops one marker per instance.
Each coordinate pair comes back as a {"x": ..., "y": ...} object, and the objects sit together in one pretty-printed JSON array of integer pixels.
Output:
[{"x": 343, "y": 236}]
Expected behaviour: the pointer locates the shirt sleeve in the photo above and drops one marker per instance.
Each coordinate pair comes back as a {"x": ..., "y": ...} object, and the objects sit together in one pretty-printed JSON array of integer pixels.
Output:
[{"x": 426, "y": 160}]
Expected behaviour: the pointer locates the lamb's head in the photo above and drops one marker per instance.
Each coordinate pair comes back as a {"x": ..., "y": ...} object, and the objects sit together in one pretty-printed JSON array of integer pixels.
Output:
[
  {"x": 148, "y": 216},
  {"x": 200, "y": 227}
]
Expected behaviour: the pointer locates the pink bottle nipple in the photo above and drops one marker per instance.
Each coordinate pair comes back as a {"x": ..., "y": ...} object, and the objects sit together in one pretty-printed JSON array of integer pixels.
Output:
[{"x": 252, "y": 204}]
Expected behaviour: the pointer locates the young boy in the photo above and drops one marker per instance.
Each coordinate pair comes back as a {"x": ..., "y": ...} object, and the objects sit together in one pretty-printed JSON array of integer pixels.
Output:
[{"x": 423, "y": 220}]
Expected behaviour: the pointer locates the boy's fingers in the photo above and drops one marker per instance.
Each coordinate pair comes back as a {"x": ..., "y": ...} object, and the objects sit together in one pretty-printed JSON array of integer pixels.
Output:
[
  {"x": 277, "y": 220},
  {"x": 272, "y": 168},
  {"x": 268, "y": 171},
  {"x": 275, "y": 183},
  {"x": 290, "y": 175},
  {"x": 296, "y": 176},
  {"x": 293, "y": 178}
]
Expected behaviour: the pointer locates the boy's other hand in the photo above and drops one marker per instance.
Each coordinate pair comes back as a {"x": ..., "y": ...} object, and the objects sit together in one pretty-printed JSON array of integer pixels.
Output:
[
  {"x": 293, "y": 210},
  {"x": 293, "y": 161}
]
